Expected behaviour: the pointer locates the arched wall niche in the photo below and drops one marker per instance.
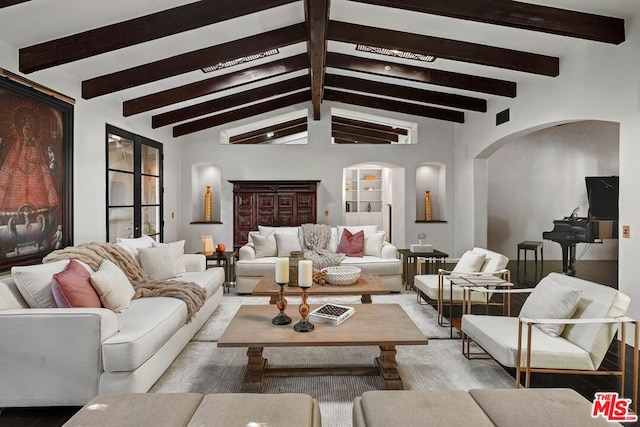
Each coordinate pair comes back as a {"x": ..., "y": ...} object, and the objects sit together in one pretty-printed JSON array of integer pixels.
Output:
[
  {"x": 203, "y": 175},
  {"x": 392, "y": 184},
  {"x": 431, "y": 177}
]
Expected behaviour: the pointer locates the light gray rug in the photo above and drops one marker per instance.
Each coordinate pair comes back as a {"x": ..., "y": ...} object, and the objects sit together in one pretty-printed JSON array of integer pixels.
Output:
[{"x": 204, "y": 368}]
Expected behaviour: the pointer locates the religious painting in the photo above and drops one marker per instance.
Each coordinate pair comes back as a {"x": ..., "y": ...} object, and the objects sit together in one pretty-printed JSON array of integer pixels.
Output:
[{"x": 36, "y": 155}]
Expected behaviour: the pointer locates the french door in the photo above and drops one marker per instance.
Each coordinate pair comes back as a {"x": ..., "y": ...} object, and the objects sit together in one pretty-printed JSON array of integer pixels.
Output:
[{"x": 134, "y": 185}]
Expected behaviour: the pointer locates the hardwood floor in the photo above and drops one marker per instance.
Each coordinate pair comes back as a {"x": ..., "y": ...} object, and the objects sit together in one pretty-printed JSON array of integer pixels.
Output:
[{"x": 605, "y": 272}]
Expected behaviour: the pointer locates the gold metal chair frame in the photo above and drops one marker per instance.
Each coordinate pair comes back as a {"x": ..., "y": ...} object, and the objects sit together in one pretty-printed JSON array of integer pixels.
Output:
[
  {"x": 497, "y": 280},
  {"x": 527, "y": 369}
]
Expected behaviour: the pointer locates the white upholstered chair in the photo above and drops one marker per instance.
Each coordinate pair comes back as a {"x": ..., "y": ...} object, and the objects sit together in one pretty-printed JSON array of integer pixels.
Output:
[
  {"x": 566, "y": 326},
  {"x": 477, "y": 262}
]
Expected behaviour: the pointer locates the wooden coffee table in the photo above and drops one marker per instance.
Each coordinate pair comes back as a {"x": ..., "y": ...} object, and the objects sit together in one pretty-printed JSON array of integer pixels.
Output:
[
  {"x": 367, "y": 285},
  {"x": 382, "y": 325}
]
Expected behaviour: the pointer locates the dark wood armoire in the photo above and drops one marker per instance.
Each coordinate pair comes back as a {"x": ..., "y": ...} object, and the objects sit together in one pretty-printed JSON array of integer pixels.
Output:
[{"x": 271, "y": 203}]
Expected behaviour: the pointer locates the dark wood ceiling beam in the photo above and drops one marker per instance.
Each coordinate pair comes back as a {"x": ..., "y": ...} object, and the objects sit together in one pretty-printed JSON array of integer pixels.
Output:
[
  {"x": 397, "y": 91},
  {"x": 230, "y": 101},
  {"x": 214, "y": 84},
  {"x": 137, "y": 30},
  {"x": 273, "y": 128},
  {"x": 369, "y": 125},
  {"x": 192, "y": 61},
  {"x": 7, "y": 3},
  {"x": 423, "y": 75},
  {"x": 317, "y": 17},
  {"x": 516, "y": 14},
  {"x": 371, "y": 133},
  {"x": 281, "y": 133},
  {"x": 346, "y": 138},
  {"x": 391, "y": 105},
  {"x": 445, "y": 48},
  {"x": 240, "y": 113}
]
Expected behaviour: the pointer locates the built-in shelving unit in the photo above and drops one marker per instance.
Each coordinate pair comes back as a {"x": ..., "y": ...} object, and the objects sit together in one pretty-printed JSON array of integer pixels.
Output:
[{"x": 364, "y": 196}]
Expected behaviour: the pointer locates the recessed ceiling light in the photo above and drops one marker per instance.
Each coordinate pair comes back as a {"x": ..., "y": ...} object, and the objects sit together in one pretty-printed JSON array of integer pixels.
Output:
[{"x": 396, "y": 53}]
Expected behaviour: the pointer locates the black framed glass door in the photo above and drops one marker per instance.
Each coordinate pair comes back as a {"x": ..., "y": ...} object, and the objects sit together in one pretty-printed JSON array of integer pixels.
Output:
[{"x": 134, "y": 185}]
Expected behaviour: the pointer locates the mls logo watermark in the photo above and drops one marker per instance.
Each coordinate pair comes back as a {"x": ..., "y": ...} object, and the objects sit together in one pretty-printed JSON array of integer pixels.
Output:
[{"x": 612, "y": 408}]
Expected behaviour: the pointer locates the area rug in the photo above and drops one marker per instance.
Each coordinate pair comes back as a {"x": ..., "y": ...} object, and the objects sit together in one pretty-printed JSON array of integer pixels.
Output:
[{"x": 204, "y": 368}]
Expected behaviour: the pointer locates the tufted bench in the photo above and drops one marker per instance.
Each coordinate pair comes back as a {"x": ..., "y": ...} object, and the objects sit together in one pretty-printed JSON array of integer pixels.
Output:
[{"x": 193, "y": 409}]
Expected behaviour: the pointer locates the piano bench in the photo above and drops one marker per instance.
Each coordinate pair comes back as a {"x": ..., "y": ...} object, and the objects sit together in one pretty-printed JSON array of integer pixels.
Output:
[{"x": 530, "y": 245}]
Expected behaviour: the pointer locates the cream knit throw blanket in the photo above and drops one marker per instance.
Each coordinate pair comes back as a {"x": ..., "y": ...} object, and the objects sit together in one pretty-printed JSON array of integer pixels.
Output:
[
  {"x": 316, "y": 243},
  {"x": 193, "y": 295}
]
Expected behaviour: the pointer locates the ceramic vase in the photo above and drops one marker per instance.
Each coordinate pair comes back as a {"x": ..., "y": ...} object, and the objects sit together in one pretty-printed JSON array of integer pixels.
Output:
[
  {"x": 208, "y": 204},
  {"x": 428, "y": 206},
  {"x": 294, "y": 258}
]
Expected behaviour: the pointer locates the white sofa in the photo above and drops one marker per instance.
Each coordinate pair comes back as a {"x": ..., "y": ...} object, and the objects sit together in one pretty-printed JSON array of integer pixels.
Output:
[
  {"x": 67, "y": 356},
  {"x": 250, "y": 269}
]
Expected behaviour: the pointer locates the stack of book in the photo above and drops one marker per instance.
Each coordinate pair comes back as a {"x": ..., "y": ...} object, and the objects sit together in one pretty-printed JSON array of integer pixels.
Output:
[{"x": 333, "y": 314}]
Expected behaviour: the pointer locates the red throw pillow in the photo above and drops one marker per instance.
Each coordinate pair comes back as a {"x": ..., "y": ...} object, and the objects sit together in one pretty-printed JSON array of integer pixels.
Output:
[
  {"x": 352, "y": 244},
  {"x": 72, "y": 288}
]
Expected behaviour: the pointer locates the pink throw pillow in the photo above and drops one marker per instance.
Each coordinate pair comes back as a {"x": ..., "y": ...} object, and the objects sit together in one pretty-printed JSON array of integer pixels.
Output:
[
  {"x": 72, "y": 288},
  {"x": 352, "y": 244}
]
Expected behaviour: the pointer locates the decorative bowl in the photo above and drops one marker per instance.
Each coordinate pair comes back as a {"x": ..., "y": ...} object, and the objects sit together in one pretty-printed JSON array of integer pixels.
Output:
[{"x": 342, "y": 275}]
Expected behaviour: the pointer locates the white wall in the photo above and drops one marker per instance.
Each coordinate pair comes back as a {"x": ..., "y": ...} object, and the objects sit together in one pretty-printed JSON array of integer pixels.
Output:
[
  {"x": 539, "y": 177},
  {"x": 596, "y": 82},
  {"x": 320, "y": 160}
]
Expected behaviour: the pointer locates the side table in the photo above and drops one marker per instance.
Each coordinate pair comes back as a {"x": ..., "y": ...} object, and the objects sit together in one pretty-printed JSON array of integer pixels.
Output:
[
  {"x": 435, "y": 260},
  {"x": 225, "y": 260}
]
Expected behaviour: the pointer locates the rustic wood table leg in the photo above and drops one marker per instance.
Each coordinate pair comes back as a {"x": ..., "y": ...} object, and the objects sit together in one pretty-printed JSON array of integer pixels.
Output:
[
  {"x": 389, "y": 368},
  {"x": 273, "y": 299},
  {"x": 366, "y": 298},
  {"x": 255, "y": 366}
]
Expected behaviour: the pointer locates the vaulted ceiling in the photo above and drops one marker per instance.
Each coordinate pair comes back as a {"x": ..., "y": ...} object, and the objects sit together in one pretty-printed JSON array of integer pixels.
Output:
[{"x": 148, "y": 54}]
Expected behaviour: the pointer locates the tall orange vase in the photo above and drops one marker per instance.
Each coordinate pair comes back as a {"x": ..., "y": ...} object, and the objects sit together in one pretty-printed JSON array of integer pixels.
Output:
[
  {"x": 428, "y": 206},
  {"x": 208, "y": 204}
]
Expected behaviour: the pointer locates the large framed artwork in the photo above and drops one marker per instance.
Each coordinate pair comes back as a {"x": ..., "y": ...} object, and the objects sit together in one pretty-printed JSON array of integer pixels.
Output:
[{"x": 36, "y": 173}]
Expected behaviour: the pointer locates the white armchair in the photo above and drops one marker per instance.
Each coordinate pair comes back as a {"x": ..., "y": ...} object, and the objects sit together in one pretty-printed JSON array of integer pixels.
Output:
[
  {"x": 565, "y": 326},
  {"x": 476, "y": 265}
]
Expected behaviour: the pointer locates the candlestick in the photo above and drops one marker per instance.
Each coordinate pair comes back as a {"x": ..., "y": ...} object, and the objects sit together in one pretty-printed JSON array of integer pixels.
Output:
[
  {"x": 282, "y": 270},
  {"x": 305, "y": 273},
  {"x": 304, "y": 325},
  {"x": 281, "y": 303}
]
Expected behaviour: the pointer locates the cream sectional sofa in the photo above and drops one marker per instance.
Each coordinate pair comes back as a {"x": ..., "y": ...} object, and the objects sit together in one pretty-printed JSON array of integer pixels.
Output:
[
  {"x": 381, "y": 260},
  {"x": 66, "y": 356}
]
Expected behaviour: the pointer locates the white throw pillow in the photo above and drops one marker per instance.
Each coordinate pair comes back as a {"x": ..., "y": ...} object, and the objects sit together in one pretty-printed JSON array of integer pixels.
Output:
[
  {"x": 266, "y": 230},
  {"x": 265, "y": 245},
  {"x": 157, "y": 263},
  {"x": 113, "y": 287},
  {"x": 550, "y": 300},
  {"x": 134, "y": 244},
  {"x": 286, "y": 243},
  {"x": 373, "y": 243},
  {"x": 470, "y": 262},
  {"x": 177, "y": 254},
  {"x": 34, "y": 282}
]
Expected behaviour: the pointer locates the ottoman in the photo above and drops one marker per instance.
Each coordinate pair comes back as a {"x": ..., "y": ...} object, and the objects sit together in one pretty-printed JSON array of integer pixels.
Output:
[
  {"x": 437, "y": 408},
  {"x": 137, "y": 409},
  {"x": 251, "y": 409}
]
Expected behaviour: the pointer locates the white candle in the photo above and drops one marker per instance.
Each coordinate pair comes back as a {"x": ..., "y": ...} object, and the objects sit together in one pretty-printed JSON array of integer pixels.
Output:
[
  {"x": 282, "y": 270},
  {"x": 305, "y": 273}
]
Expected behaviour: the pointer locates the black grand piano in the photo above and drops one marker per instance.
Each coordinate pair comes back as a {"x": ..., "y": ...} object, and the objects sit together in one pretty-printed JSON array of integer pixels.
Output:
[{"x": 601, "y": 222}]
